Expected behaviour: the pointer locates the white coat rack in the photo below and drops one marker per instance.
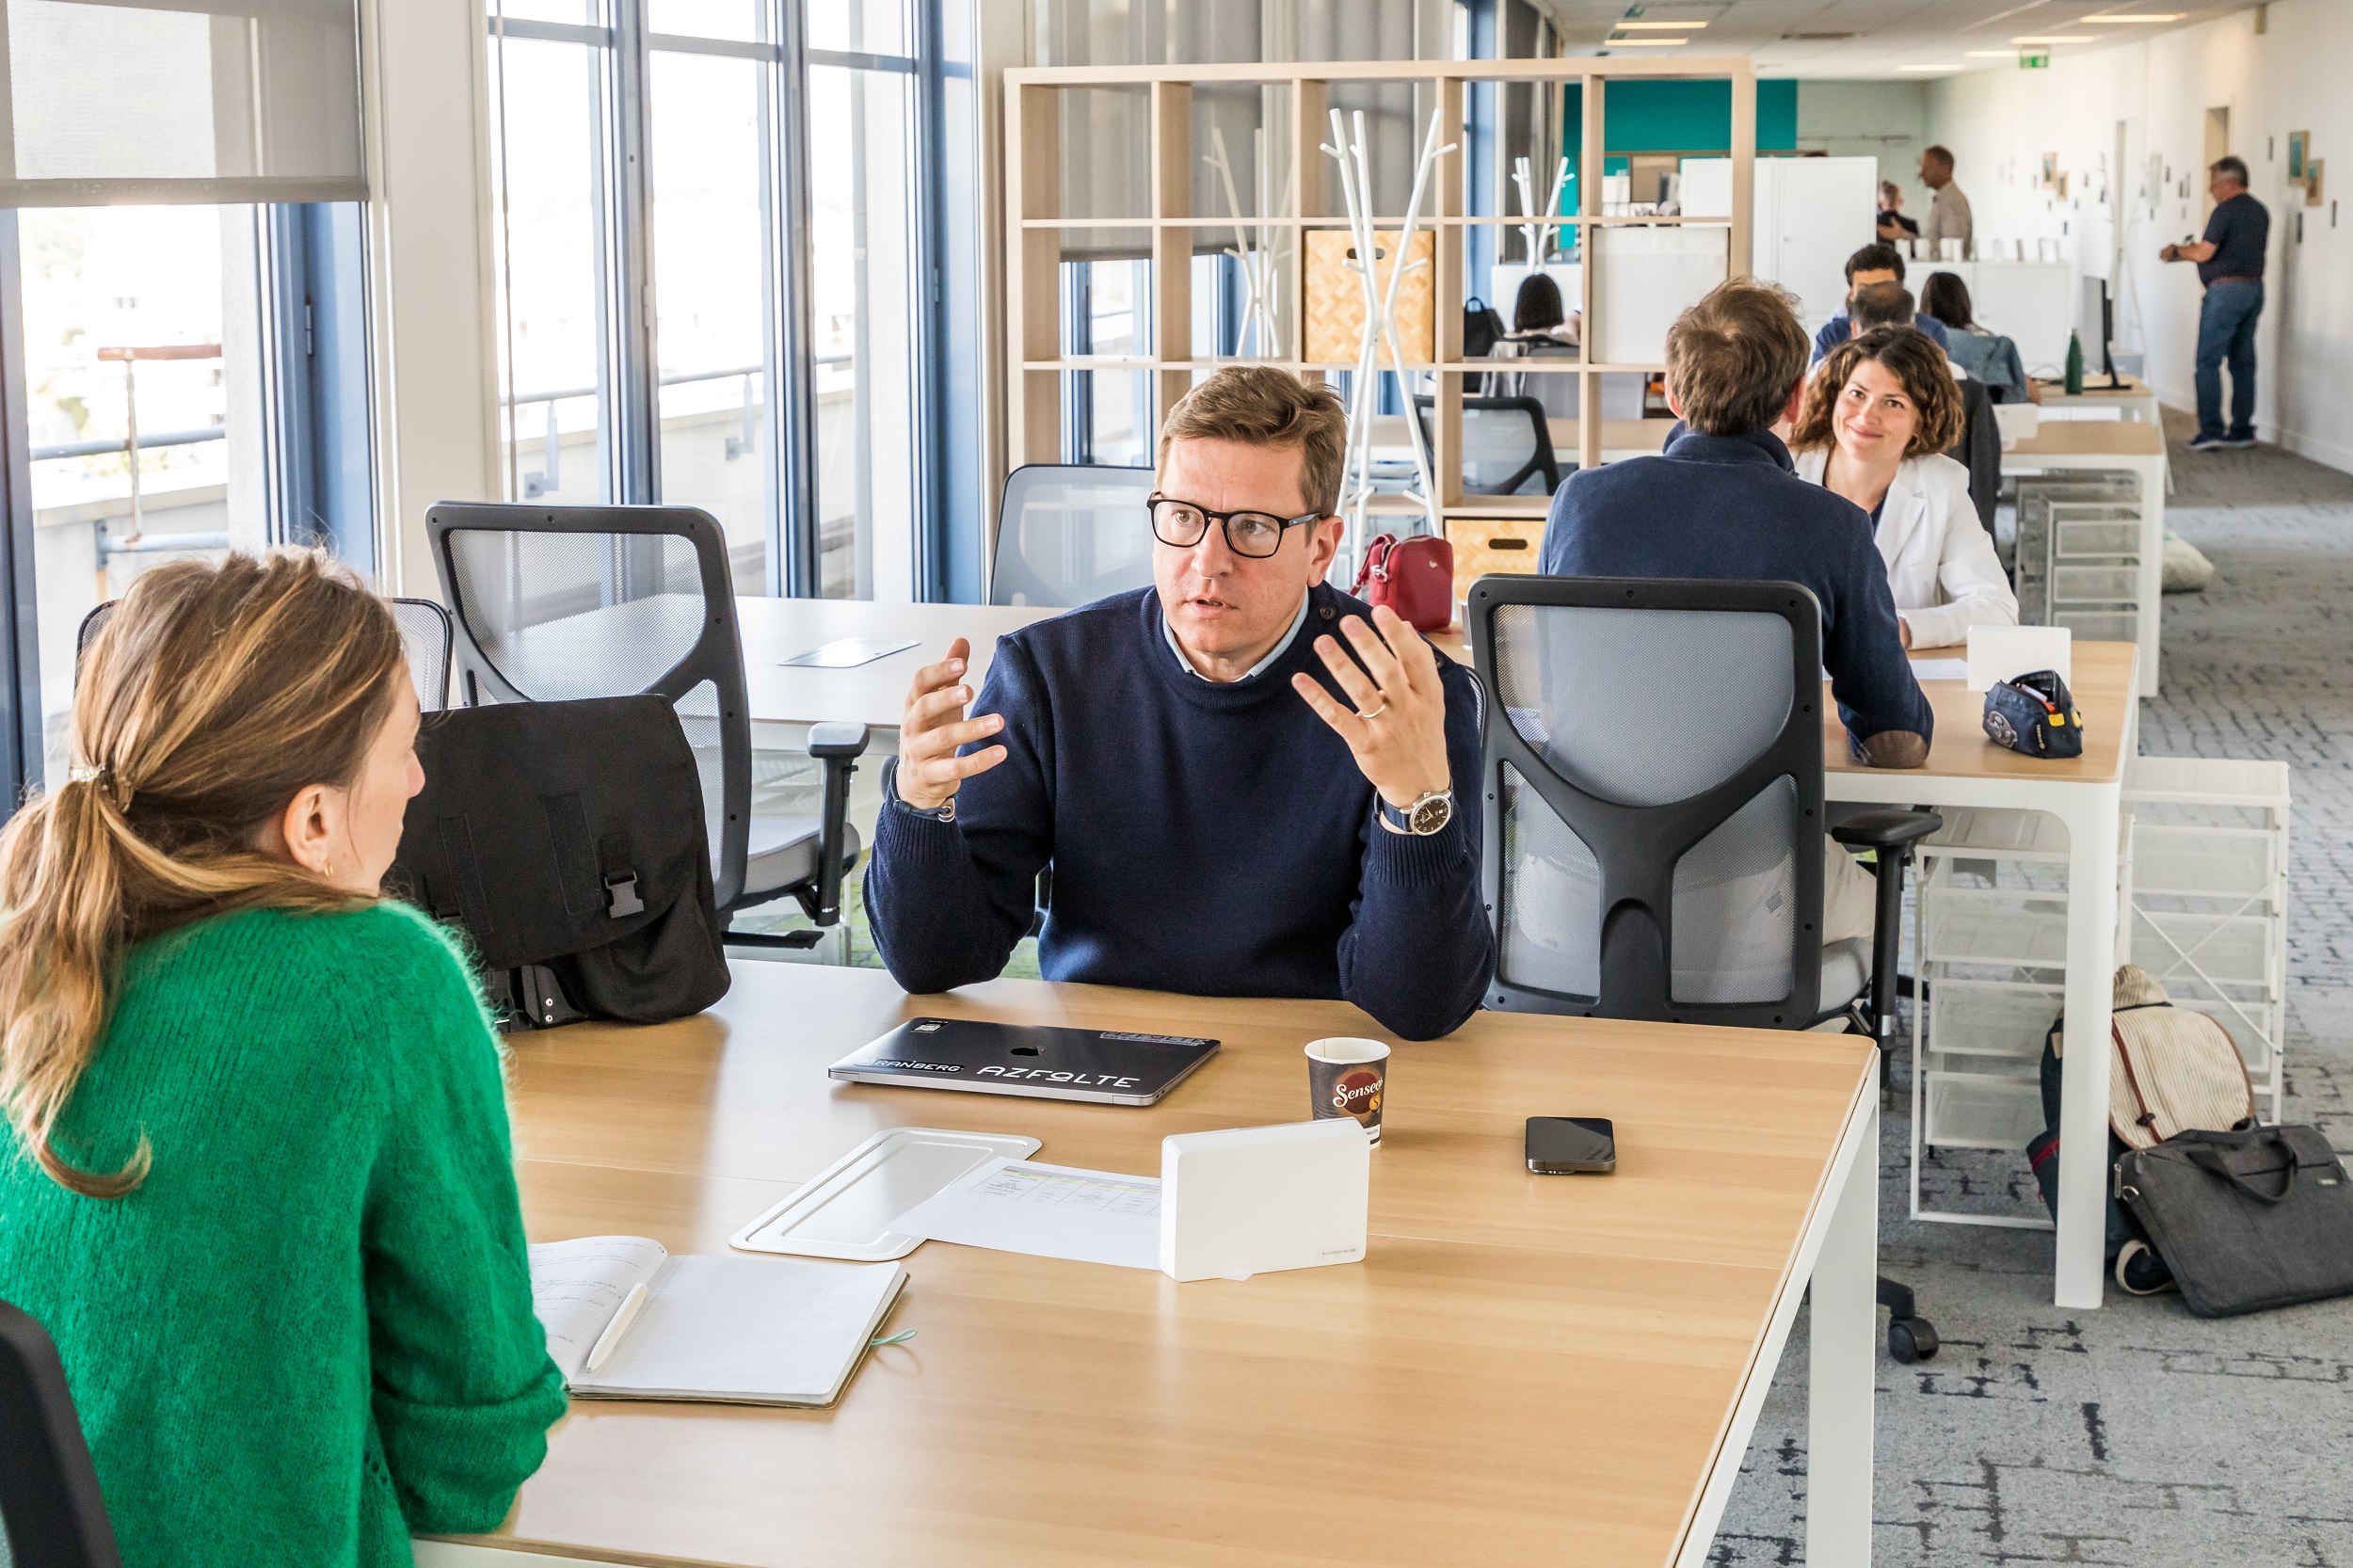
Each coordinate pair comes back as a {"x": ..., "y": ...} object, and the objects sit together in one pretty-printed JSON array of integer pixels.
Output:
[
  {"x": 1254, "y": 247},
  {"x": 1538, "y": 236},
  {"x": 1380, "y": 327}
]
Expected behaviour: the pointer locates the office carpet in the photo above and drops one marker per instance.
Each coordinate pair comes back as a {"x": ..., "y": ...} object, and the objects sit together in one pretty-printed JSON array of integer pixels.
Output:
[{"x": 2139, "y": 1435}]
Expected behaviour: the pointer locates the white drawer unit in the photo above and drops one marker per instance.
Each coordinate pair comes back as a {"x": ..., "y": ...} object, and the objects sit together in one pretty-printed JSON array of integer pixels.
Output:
[
  {"x": 1977, "y": 1111},
  {"x": 2206, "y": 887}
]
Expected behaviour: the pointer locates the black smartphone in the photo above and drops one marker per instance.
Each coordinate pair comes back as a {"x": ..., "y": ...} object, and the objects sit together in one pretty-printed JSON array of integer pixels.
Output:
[{"x": 1572, "y": 1145}]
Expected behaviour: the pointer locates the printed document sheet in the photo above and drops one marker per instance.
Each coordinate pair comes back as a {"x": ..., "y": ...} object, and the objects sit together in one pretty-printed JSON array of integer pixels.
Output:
[{"x": 1045, "y": 1211}]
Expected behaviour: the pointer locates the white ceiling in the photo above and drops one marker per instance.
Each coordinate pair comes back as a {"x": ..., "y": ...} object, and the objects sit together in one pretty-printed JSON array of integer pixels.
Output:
[{"x": 1866, "y": 38}]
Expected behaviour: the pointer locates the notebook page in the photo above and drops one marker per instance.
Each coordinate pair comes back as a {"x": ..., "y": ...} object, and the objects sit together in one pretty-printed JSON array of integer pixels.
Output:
[
  {"x": 778, "y": 1330},
  {"x": 577, "y": 1285}
]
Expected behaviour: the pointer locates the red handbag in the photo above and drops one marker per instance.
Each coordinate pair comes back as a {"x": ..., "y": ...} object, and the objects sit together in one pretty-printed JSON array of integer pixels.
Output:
[{"x": 1414, "y": 577}]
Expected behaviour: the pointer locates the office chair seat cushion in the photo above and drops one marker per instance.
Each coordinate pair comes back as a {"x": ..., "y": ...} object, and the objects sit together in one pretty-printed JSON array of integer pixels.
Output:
[
  {"x": 1846, "y": 972},
  {"x": 783, "y": 852}
]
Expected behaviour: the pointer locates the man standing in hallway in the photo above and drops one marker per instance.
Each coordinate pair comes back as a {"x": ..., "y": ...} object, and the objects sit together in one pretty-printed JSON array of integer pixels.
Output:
[
  {"x": 1948, "y": 210},
  {"x": 2230, "y": 264}
]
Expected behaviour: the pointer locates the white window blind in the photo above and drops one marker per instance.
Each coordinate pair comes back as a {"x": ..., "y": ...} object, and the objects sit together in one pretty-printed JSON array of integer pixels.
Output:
[{"x": 211, "y": 101}]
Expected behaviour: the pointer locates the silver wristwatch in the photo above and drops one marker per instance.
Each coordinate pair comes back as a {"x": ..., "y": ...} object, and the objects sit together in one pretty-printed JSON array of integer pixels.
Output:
[{"x": 1421, "y": 817}]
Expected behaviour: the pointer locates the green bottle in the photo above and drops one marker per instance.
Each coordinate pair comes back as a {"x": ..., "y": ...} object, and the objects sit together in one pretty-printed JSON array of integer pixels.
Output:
[{"x": 2074, "y": 365}]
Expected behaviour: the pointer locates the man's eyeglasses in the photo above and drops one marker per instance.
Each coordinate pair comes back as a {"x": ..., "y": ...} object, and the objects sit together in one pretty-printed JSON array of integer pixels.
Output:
[{"x": 1257, "y": 534}]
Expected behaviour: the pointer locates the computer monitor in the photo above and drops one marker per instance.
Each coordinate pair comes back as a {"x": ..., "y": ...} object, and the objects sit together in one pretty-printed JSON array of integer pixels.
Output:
[{"x": 2099, "y": 313}]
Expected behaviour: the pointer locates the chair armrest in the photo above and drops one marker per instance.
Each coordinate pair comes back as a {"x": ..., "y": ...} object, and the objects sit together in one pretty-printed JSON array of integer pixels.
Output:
[
  {"x": 1890, "y": 830},
  {"x": 827, "y": 741}
]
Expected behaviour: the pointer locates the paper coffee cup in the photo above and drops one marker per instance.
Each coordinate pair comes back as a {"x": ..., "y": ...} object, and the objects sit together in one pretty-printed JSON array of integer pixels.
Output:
[{"x": 1347, "y": 1076}]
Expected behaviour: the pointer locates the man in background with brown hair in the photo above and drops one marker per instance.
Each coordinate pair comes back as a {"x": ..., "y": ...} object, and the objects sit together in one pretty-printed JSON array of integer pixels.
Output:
[
  {"x": 1723, "y": 501},
  {"x": 1231, "y": 801}
]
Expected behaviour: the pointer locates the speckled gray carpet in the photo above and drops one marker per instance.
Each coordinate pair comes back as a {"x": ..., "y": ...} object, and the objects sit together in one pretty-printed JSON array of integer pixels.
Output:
[{"x": 2138, "y": 1434}]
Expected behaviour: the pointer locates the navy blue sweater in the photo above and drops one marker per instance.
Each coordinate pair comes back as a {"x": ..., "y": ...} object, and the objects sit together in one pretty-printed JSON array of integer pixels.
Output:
[
  {"x": 1210, "y": 838},
  {"x": 1732, "y": 506}
]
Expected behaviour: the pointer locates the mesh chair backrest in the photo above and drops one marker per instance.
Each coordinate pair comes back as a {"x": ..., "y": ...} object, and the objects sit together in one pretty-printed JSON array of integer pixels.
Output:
[
  {"x": 1069, "y": 534},
  {"x": 425, "y": 638},
  {"x": 564, "y": 602},
  {"x": 50, "y": 1505},
  {"x": 1654, "y": 796},
  {"x": 1506, "y": 445}
]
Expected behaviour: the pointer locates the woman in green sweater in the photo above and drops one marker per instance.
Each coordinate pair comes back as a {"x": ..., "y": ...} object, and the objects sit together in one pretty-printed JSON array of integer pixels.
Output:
[{"x": 261, "y": 1191}]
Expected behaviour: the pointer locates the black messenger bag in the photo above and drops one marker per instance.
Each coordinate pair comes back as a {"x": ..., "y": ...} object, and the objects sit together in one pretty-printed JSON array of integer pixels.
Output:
[
  {"x": 2254, "y": 1218},
  {"x": 567, "y": 839}
]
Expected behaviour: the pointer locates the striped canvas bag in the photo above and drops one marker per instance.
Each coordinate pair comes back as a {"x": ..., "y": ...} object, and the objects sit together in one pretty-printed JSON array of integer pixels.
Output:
[{"x": 2170, "y": 1069}]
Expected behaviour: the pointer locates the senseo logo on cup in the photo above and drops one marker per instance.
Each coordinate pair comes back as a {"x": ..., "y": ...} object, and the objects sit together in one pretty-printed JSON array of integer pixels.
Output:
[{"x": 1357, "y": 1095}]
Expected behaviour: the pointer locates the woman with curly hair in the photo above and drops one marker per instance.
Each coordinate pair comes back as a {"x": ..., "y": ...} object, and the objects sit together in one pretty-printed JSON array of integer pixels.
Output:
[{"x": 1880, "y": 414}]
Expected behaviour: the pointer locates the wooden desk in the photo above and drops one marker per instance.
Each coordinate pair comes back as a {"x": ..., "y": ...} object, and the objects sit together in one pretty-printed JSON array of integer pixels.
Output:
[
  {"x": 1524, "y": 1366},
  {"x": 2114, "y": 445},
  {"x": 2087, "y": 794}
]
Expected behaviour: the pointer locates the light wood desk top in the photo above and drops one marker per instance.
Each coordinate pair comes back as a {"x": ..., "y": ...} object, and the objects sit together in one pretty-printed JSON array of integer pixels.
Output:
[
  {"x": 2101, "y": 682},
  {"x": 1522, "y": 1361},
  {"x": 2096, "y": 385},
  {"x": 2087, "y": 437}
]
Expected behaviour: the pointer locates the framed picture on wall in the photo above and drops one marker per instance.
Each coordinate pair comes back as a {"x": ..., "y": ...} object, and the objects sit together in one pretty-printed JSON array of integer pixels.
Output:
[{"x": 2299, "y": 143}]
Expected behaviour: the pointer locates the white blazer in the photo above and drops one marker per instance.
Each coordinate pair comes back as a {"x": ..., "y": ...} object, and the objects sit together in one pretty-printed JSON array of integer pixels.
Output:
[{"x": 1940, "y": 563}]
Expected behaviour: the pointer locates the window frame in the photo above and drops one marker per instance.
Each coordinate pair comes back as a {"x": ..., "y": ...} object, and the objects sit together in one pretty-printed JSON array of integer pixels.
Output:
[{"x": 624, "y": 45}]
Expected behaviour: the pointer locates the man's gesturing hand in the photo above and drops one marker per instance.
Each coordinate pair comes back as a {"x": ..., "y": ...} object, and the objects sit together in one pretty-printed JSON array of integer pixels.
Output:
[
  {"x": 1397, "y": 730},
  {"x": 929, "y": 771}
]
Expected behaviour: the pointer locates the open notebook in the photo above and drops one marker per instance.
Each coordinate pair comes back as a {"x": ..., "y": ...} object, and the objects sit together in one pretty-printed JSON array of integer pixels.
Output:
[{"x": 738, "y": 1330}]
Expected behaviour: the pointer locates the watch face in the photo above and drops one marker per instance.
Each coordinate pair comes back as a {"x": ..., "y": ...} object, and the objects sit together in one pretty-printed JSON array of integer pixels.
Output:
[{"x": 1430, "y": 815}]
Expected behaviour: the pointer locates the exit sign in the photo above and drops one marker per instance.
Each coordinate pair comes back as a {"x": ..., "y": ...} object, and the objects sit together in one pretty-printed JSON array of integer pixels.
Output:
[{"x": 2034, "y": 59}]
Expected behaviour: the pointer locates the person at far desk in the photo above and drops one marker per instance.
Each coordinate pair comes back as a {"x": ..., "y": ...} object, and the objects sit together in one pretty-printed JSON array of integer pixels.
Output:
[
  {"x": 1873, "y": 263},
  {"x": 1723, "y": 501},
  {"x": 1243, "y": 782},
  {"x": 263, "y": 1195},
  {"x": 1880, "y": 413}
]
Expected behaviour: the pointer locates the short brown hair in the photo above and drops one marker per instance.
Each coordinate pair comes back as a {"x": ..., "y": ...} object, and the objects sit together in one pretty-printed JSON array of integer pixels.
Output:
[
  {"x": 1915, "y": 360},
  {"x": 1733, "y": 356},
  {"x": 1259, "y": 405}
]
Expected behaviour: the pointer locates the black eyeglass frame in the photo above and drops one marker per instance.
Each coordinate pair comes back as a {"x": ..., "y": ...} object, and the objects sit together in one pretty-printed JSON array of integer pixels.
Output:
[{"x": 1224, "y": 521}]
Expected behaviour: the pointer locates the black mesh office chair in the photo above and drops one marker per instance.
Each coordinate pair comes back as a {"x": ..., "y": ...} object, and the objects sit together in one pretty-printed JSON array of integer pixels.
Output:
[
  {"x": 1507, "y": 445},
  {"x": 1653, "y": 817},
  {"x": 425, "y": 636},
  {"x": 562, "y": 603},
  {"x": 50, "y": 1504},
  {"x": 1069, "y": 535}
]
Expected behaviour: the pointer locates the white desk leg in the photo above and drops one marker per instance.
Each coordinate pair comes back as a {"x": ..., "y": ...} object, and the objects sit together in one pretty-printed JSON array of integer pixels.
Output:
[
  {"x": 2091, "y": 828},
  {"x": 1843, "y": 1366}
]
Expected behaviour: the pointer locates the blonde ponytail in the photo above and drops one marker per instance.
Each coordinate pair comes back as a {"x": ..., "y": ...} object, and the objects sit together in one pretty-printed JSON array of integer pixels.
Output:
[{"x": 212, "y": 697}]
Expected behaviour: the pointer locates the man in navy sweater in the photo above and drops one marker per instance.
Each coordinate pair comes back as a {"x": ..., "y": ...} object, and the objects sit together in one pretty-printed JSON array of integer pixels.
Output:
[
  {"x": 1723, "y": 501},
  {"x": 1231, "y": 802},
  {"x": 1873, "y": 263}
]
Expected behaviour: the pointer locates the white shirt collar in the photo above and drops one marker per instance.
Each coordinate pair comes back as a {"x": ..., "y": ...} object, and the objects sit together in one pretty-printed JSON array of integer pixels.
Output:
[{"x": 1256, "y": 670}]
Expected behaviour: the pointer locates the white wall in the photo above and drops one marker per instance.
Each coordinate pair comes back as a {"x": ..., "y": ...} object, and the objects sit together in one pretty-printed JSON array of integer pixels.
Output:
[
  {"x": 433, "y": 313},
  {"x": 2291, "y": 77},
  {"x": 1887, "y": 121}
]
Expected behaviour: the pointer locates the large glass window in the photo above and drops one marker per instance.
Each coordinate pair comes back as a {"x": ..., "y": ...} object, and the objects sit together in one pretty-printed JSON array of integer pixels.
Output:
[
  {"x": 664, "y": 151},
  {"x": 144, "y": 376}
]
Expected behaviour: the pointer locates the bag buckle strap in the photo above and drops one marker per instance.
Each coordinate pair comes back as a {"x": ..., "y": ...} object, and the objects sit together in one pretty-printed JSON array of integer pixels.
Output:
[{"x": 620, "y": 896}]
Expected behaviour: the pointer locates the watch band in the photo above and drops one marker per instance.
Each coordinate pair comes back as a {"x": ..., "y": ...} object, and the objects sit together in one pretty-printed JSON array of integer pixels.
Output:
[
  {"x": 1416, "y": 819},
  {"x": 946, "y": 813}
]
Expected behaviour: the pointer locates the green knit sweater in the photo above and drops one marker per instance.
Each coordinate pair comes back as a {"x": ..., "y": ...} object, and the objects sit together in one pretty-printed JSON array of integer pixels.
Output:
[{"x": 309, "y": 1334}]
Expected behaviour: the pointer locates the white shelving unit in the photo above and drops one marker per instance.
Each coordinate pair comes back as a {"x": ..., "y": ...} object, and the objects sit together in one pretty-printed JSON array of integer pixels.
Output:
[
  {"x": 2079, "y": 554},
  {"x": 2203, "y": 856},
  {"x": 1990, "y": 944},
  {"x": 2206, "y": 890}
]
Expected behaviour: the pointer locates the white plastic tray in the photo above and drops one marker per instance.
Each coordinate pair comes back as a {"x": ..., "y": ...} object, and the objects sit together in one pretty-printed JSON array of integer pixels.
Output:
[{"x": 846, "y": 1210}]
